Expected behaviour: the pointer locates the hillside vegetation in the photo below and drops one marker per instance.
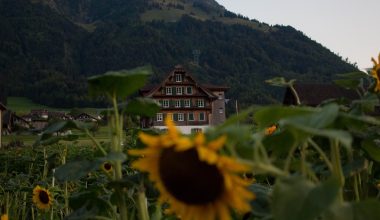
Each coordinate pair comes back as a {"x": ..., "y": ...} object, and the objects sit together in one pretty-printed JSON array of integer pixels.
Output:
[{"x": 49, "y": 47}]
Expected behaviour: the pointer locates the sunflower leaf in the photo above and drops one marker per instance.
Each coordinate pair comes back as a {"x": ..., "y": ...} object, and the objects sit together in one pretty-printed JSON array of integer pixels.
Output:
[
  {"x": 120, "y": 83},
  {"x": 75, "y": 170}
]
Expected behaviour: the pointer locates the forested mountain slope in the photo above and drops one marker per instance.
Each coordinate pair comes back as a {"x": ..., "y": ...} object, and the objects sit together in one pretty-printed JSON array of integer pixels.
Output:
[{"x": 49, "y": 47}]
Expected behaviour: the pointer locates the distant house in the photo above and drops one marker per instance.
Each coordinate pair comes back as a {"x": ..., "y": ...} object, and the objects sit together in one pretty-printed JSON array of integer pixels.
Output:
[
  {"x": 315, "y": 94},
  {"x": 84, "y": 117},
  {"x": 11, "y": 122},
  {"x": 59, "y": 115},
  {"x": 192, "y": 106},
  {"x": 2, "y": 109}
]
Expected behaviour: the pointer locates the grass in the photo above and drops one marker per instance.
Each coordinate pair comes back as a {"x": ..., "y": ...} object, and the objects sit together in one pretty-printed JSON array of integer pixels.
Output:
[
  {"x": 22, "y": 105},
  {"x": 101, "y": 135}
]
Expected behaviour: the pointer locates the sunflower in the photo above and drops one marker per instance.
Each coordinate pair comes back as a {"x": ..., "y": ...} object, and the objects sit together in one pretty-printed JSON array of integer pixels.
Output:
[
  {"x": 4, "y": 217},
  {"x": 270, "y": 130},
  {"x": 42, "y": 198},
  {"x": 106, "y": 167},
  {"x": 196, "y": 181},
  {"x": 375, "y": 72}
]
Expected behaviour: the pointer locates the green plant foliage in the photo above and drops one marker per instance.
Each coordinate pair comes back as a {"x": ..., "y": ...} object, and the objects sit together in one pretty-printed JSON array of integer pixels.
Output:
[
  {"x": 120, "y": 83},
  {"x": 143, "y": 107},
  {"x": 295, "y": 198}
]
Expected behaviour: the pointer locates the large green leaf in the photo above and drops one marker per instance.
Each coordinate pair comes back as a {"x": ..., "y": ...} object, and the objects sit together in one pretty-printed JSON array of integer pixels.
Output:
[
  {"x": 75, "y": 170},
  {"x": 120, "y": 83},
  {"x": 317, "y": 123},
  {"x": 295, "y": 198},
  {"x": 280, "y": 143},
  {"x": 272, "y": 114},
  {"x": 321, "y": 119},
  {"x": 288, "y": 194},
  {"x": 143, "y": 107},
  {"x": 319, "y": 200},
  {"x": 372, "y": 149},
  {"x": 348, "y": 83}
]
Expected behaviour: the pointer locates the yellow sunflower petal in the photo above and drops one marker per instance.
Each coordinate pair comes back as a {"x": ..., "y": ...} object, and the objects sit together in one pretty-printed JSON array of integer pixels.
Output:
[
  {"x": 223, "y": 212},
  {"x": 199, "y": 139},
  {"x": 150, "y": 140},
  {"x": 172, "y": 130},
  {"x": 183, "y": 144},
  {"x": 218, "y": 143},
  {"x": 4, "y": 217},
  {"x": 207, "y": 155}
]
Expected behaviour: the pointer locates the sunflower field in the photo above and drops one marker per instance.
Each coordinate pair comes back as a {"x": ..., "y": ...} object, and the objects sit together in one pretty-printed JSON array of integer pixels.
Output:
[{"x": 272, "y": 162}]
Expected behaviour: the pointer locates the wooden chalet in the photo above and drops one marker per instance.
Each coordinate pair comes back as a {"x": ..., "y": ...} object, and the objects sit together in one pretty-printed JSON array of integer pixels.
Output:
[
  {"x": 192, "y": 106},
  {"x": 315, "y": 94}
]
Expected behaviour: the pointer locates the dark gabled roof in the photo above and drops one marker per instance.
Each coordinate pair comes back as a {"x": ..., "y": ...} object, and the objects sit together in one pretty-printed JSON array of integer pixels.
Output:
[
  {"x": 314, "y": 94},
  {"x": 206, "y": 88}
]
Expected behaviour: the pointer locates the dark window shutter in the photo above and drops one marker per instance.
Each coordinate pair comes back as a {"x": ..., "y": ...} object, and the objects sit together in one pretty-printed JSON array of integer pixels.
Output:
[{"x": 175, "y": 117}]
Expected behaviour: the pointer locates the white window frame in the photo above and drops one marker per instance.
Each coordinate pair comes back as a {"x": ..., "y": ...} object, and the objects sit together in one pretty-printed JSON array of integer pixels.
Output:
[
  {"x": 177, "y": 103},
  {"x": 169, "y": 91},
  {"x": 187, "y": 103},
  {"x": 178, "y": 77},
  {"x": 178, "y": 91},
  {"x": 188, "y": 116},
  {"x": 180, "y": 117},
  {"x": 165, "y": 103},
  {"x": 204, "y": 116},
  {"x": 221, "y": 110},
  {"x": 159, "y": 117},
  {"x": 201, "y": 103}
]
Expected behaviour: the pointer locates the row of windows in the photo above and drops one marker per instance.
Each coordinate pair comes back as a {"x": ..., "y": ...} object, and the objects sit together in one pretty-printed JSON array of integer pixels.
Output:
[
  {"x": 178, "y": 90},
  {"x": 181, "y": 103},
  {"x": 181, "y": 116}
]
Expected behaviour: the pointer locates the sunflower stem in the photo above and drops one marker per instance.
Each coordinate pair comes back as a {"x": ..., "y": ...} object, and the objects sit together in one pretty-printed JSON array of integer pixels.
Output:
[
  {"x": 95, "y": 142},
  {"x": 337, "y": 171},
  {"x": 117, "y": 130},
  {"x": 142, "y": 204},
  {"x": 321, "y": 153}
]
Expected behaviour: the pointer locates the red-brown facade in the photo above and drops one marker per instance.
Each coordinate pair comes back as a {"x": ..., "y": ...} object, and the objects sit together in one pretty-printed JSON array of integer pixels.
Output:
[{"x": 191, "y": 105}]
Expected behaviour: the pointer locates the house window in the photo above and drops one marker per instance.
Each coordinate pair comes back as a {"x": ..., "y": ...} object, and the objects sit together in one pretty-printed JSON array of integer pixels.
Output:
[
  {"x": 220, "y": 96},
  {"x": 202, "y": 116},
  {"x": 165, "y": 103},
  {"x": 190, "y": 116},
  {"x": 189, "y": 90},
  {"x": 180, "y": 117},
  {"x": 178, "y": 77},
  {"x": 159, "y": 117},
  {"x": 187, "y": 103},
  {"x": 221, "y": 110},
  {"x": 178, "y": 103},
  {"x": 200, "y": 103},
  {"x": 179, "y": 90},
  {"x": 196, "y": 130},
  {"x": 169, "y": 91}
]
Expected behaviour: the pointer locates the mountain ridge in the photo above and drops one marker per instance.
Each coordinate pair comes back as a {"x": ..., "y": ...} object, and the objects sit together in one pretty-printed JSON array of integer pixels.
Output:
[{"x": 58, "y": 43}]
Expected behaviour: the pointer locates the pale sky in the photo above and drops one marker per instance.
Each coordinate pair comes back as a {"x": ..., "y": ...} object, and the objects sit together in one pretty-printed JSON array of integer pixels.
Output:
[{"x": 350, "y": 28}]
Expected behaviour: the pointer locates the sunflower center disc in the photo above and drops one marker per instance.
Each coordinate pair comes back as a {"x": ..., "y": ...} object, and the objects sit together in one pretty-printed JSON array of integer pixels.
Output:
[
  {"x": 188, "y": 179},
  {"x": 107, "y": 166},
  {"x": 44, "y": 197}
]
